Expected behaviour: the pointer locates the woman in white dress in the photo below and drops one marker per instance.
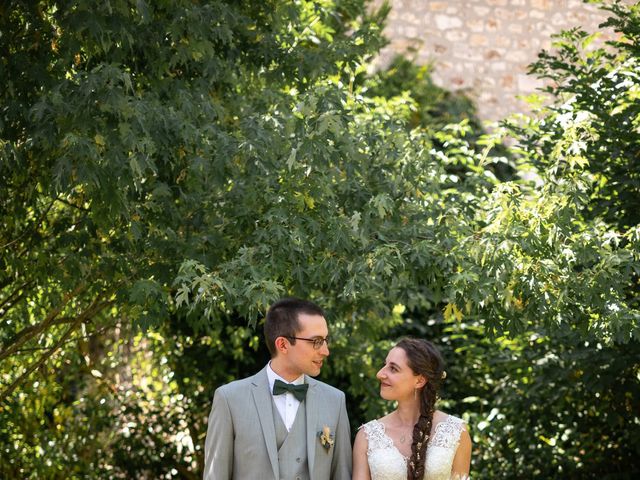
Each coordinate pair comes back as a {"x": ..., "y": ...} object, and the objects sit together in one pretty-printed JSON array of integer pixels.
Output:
[{"x": 415, "y": 441}]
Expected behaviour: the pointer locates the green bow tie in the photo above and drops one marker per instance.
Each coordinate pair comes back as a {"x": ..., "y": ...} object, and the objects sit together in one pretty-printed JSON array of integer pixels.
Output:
[{"x": 299, "y": 391}]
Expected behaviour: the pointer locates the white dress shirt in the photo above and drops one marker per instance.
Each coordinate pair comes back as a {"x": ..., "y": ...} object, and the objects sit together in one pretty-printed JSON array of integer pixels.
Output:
[{"x": 286, "y": 403}]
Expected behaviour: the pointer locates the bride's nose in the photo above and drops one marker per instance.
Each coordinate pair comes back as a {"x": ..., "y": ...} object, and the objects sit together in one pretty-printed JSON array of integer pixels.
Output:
[{"x": 380, "y": 375}]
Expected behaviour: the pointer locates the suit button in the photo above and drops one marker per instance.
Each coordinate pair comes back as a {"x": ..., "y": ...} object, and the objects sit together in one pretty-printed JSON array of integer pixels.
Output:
[
  {"x": 298, "y": 459},
  {"x": 298, "y": 478}
]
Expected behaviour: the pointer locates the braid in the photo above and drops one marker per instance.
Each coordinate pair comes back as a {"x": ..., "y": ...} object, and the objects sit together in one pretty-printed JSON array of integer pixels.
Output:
[
  {"x": 424, "y": 359},
  {"x": 421, "y": 432}
]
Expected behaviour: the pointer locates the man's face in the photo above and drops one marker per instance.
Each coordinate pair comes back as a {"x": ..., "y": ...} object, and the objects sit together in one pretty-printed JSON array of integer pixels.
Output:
[{"x": 302, "y": 357}]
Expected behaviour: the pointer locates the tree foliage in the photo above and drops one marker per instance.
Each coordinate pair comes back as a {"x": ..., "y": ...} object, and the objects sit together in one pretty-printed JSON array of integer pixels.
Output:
[
  {"x": 168, "y": 169},
  {"x": 558, "y": 401}
]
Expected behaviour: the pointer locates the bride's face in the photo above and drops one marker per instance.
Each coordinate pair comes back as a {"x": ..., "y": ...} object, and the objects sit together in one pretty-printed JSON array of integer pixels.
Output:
[{"x": 397, "y": 380}]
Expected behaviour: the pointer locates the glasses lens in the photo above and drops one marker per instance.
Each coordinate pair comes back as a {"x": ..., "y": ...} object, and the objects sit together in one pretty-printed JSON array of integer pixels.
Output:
[{"x": 317, "y": 343}]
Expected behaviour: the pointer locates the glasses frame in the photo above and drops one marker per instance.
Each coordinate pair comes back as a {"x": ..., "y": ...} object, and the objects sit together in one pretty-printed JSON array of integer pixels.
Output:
[{"x": 317, "y": 342}]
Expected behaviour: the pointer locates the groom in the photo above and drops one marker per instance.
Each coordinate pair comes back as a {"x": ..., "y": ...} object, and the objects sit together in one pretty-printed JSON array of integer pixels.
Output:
[{"x": 281, "y": 424}]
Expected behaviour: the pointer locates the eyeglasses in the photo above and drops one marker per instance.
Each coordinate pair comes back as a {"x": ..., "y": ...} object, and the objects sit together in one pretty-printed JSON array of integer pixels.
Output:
[{"x": 317, "y": 342}]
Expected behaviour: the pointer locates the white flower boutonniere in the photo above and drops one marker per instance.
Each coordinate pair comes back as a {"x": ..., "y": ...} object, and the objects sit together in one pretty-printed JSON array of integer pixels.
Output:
[{"x": 326, "y": 438}]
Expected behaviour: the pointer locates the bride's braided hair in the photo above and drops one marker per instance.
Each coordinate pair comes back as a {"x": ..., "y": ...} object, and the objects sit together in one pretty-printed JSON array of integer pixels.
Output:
[{"x": 424, "y": 359}]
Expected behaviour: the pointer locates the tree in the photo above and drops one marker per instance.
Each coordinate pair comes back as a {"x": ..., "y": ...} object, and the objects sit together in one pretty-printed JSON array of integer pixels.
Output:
[
  {"x": 557, "y": 400},
  {"x": 123, "y": 125},
  {"x": 126, "y": 130},
  {"x": 172, "y": 168}
]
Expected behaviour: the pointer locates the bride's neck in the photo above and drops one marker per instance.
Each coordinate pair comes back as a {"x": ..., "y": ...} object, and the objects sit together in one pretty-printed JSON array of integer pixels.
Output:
[{"x": 408, "y": 413}]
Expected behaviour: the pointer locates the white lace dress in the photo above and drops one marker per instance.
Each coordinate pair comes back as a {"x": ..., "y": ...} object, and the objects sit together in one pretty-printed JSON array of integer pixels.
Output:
[{"x": 387, "y": 463}]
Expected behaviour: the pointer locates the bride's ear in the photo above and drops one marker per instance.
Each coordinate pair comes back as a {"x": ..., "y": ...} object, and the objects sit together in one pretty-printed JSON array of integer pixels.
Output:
[{"x": 421, "y": 381}]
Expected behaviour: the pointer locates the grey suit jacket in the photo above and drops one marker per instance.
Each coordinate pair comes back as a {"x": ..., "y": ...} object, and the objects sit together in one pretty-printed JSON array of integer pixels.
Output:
[{"x": 241, "y": 439}]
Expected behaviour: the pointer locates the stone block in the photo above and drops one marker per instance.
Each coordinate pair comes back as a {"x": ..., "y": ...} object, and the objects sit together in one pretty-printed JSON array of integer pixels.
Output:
[
  {"x": 439, "y": 48},
  {"x": 478, "y": 40},
  {"x": 475, "y": 25},
  {"x": 520, "y": 56},
  {"x": 528, "y": 84},
  {"x": 411, "y": 31},
  {"x": 559, "y": 20},
  {"x": 437, "y": 6},
  {"x": 541, "y": 4},
  {"x": 507, "y": 81},
  {"x": 502, "y": 41},
  {"x": 473, "y": 54},
  {"x": 504, "y": 14},
  {"x": 448, "y": 22},
  {"x": 456, "y": 35},
  {"x": 493, "y": 25},
  {"x": 520, "y": 15},
  {"x": 493, "y": 54},
  {"x": 515, "y": 28}
]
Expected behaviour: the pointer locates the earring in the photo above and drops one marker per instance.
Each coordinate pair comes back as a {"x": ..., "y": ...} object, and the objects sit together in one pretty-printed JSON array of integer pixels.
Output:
[{"x": 415, "y": 393}]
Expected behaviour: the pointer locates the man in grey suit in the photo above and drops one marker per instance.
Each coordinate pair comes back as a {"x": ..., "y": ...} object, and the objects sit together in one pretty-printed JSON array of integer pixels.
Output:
[{"x": 281, "y": 424}]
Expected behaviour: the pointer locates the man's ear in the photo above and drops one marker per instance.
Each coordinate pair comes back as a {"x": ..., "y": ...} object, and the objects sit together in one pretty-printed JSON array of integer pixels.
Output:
[{"x": 282, "y": 344}]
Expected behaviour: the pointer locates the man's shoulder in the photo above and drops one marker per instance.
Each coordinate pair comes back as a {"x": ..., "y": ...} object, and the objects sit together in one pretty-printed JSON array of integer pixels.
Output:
[
  {"x": 326, "y": 388},
  {"x": 238, "y": 385}
]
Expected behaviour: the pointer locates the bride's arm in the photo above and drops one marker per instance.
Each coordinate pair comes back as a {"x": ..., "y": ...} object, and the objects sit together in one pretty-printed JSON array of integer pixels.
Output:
[
  {"x": 462, "y": 460},
  {"x": 360, "y": 462}
]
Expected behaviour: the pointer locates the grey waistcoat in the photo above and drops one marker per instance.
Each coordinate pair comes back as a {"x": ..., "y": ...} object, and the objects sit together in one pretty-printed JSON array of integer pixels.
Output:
[{"x": 292, "y": 446}]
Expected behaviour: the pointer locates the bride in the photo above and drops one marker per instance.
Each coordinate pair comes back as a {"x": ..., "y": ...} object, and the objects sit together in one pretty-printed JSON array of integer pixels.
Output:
[{"x": 415, "y": 441}]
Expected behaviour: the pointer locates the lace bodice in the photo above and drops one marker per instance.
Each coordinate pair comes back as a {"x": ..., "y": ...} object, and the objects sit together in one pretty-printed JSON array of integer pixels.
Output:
[{"x": 387, "y": 463}]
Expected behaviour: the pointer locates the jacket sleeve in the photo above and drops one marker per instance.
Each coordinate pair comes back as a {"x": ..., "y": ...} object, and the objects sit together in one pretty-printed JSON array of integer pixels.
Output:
[
  {"x": 218, "y": 446},
  {"x": 341, "y": 461}
]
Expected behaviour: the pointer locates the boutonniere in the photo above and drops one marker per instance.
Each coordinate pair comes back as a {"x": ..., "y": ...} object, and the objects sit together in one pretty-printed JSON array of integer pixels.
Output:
[{"x": 326, "y": 438}]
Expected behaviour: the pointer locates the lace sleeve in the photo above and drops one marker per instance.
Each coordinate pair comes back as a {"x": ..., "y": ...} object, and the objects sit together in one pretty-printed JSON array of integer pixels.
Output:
[
  {"x": 447, "y": 434},
  {"x": 376, "y": 437}
]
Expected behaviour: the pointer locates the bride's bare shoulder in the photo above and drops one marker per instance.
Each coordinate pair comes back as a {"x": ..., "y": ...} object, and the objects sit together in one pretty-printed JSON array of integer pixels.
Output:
[
  {"x": 385, "y": 420},
  {"x": 439, "y": 416}
]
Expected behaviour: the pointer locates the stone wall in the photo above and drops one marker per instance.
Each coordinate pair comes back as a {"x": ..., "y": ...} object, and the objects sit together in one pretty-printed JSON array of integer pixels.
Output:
[{"x": 483, "y": 46}]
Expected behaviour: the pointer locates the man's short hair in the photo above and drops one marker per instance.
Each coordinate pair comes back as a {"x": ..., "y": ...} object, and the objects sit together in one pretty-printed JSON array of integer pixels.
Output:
[{"x": 282, "y": 319}]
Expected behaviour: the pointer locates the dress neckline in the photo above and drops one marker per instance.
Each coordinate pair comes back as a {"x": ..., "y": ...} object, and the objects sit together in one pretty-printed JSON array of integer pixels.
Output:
[
  {"x": 393, "y": 444},
  {"x": 434, "y": 428}
]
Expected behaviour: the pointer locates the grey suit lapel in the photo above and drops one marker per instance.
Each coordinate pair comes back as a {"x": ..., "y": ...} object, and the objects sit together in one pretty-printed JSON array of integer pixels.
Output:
[
  {"x": 312, "y": 420},
  {"x": 263, "y": 400}
]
